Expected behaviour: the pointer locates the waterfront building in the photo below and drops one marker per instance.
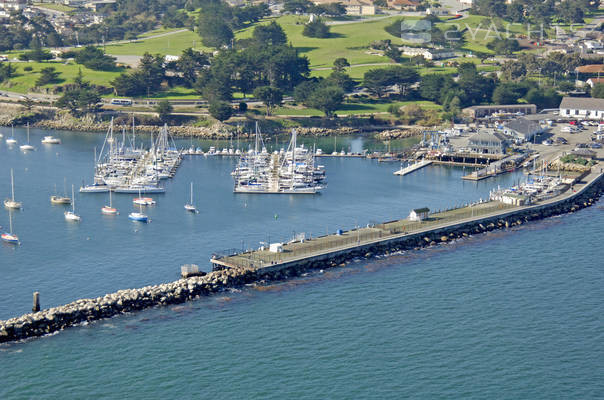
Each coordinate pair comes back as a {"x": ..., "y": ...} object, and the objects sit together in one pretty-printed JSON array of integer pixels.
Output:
[
  {"x": 485, "y": 142},
  {"x": 486, "y": 111},
  {"x": 523, "y": 129}
]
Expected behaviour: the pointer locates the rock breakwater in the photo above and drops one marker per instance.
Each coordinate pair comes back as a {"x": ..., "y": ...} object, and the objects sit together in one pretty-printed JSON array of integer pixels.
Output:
[{"x": 129, "y": 300}]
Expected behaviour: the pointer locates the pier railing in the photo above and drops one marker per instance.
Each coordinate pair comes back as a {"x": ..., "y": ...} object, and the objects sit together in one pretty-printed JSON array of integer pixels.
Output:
[{"x": 360, "y": 236}]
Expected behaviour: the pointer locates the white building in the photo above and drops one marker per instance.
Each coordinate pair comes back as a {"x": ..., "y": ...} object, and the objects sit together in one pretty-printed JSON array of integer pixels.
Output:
[
  {"x": 419, "y": 214},
  {"x": 582, "y": 107}
]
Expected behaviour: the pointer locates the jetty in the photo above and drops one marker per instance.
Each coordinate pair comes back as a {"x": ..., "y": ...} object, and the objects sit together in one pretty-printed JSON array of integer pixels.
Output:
[
  {"x": 284, "y": 260},
  {"x": 413, "y": 167},
  {"x": 507, "y": 164}
]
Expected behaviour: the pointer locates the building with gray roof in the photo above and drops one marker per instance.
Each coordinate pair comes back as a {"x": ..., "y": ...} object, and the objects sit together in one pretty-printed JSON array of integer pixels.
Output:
[{"x": 582, "y": 108}]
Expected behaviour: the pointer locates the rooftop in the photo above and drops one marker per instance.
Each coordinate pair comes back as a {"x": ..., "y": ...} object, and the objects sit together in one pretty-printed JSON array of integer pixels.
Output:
[
  {"x": 523, "y": 125},
  {"x": 582, "y": 103}
]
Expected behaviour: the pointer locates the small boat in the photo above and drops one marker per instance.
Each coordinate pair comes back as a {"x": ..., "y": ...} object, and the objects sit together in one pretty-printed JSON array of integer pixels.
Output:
[
  {"x": 60, "y": 200},
  {"x": 11, "y": 140},
  {"x": 71, "y": 215},
  {"x": 139, "y": 216},
  {"x": 51, "y": 140},
  {"x": 95, "y": 188},
  {"x": 11, "y": 203},
  {"x": 27, "y": 147},
  {"x": 10, "y": 237},
  {"x": 143, "y": 201},
  {"x": 191, "y": 207},
  {"x": 56, "y": 199},
  {"x": 109, "y": 210}
]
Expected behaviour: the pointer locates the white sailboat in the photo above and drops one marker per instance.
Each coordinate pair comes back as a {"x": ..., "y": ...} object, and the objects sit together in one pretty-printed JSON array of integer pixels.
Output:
[
  {"x": 11, "y": 203},
  {"x": 11, "y": 140},
  {"x": 191, "y": 206},
  {"x": 109, "y": 210},
  {"x": 51, "y": 140},
  {"x": 71, "y": 215},
  {"x": 27, "y": 147},
  {"x": 10, "y": 237}
]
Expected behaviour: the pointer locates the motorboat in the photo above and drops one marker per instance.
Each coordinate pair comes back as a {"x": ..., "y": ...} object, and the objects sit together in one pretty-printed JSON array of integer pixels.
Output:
[
  {"x": 51, "y": 140},
  {"x": 59, "y": 200}
]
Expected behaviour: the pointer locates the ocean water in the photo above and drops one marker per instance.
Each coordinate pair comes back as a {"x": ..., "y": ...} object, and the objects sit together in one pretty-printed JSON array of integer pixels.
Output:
[{"x": 512, "y": 314}]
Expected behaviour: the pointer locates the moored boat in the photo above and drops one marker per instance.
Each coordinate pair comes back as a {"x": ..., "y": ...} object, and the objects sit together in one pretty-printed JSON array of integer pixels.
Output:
[
  {"x": 28, "y": 146},
  {"x": 109, "y": 210},
  {"x": 12, "y": 203},
  {"x": 10, "y": 237},
  {"x": 51, "y": 140},
  {"x": 71, "y": 215},
  {"x": 190, "y": 206}
]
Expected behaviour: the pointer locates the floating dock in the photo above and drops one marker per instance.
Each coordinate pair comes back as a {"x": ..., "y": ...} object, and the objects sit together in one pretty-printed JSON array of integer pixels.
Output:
[{"x": 413, "y": 167}]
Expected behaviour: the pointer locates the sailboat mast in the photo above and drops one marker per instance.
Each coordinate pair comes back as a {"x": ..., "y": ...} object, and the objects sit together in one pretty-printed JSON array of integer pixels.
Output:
[
  {"x": 10, "y": 221},
  {"x": 191, "y": 192},
  {"x": 27, "y": 132},
  {"x": 72, "y": 199},
  {"x": 12, "y": 184}
]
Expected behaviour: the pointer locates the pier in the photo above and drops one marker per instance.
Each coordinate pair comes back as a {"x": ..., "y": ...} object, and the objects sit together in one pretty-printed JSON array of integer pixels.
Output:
[
  {"x": 413, "y": 167},
  {"x": 296, "y": 257}
]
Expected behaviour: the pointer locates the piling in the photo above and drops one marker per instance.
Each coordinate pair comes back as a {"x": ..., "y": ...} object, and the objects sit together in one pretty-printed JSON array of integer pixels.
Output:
[{"x": 36, "y": 306}]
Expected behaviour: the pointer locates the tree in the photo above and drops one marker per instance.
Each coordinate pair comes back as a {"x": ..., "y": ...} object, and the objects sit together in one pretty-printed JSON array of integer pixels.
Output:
[
  {"x": 431, "y": 85},
  {"x": 598, "y": 91},
  {"x": 163, "y": 110},
  {"x": 504, "y": 46},
  {"x": 402, "y": 76},
  {"x": 48, "y": 75},
  {"x": 269, "y": 35},
  {"x": 94, "y": 58},
  {"x": 376, "y": 81},
  {"x": 513, "y": 71},
  {"x": 335, "y": 9},
  {"x": 393, "y": 53},
  {"x": 270, "y": 96},
  {"x": 327, "y": 99},
  {"x": 297, "y": 6},
  {"x": 341, "y": 80},
  {"x": 189, "y": 64},
  {"x": 221, "y": 110},
  {"x": 340, "y": 64},
  {"x": 79, "y": 97},
  {"x": 304, "y": 90},
  {"x": 316, "y": 29},
  {"x": 214, "y": 31},
  {"x": 506, "y": 94},
  {"x": 7, "y": 71}
]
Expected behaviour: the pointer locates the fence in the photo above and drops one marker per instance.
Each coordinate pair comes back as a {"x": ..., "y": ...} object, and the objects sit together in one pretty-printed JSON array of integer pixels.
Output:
[{"x": 357, "y": 237}]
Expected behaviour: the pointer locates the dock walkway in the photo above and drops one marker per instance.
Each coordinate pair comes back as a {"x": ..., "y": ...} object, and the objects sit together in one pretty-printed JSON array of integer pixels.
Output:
[{"x": 413, "y": 167}]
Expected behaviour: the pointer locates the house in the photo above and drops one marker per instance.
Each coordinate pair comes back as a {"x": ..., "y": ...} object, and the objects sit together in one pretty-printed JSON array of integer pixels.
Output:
[
  {"x": 353, "y": 7},
  {"x": 485, "y": 111},
  {"x": 523, "y": 129},
  {"x": 408, "y": 5},
  {"x": 594, "y": 81},
  {"x": 485, "y": 142},
  {"x": 428, "y": 54},
  {"x": 468, "y": 3},
  {"x": 17, "y": 5},
  {"x": 582, "y": 107},
  {"x": 99, "y": 5},
  {"x": 590, "y": 69},
  {"x": 419, "y": 214}
]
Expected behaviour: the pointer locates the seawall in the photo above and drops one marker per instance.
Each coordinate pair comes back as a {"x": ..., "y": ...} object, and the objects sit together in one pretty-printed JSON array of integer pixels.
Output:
[{"x": 128, "y": 300}]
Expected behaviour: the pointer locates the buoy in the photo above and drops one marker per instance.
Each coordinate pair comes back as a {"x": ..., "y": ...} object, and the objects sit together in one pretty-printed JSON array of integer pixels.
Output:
[{"x": 276, "y": 216}]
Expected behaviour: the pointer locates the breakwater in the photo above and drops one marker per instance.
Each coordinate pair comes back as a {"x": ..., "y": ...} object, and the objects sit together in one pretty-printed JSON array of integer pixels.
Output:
[{"x": 129, "y": 300}]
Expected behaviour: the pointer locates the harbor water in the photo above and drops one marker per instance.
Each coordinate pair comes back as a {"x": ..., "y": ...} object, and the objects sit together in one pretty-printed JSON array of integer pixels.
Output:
[{"x": 513, "y": 314}]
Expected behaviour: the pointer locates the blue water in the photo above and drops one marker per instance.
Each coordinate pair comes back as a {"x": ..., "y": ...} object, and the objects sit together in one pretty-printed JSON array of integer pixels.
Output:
[{"x": 515, "y": 314}]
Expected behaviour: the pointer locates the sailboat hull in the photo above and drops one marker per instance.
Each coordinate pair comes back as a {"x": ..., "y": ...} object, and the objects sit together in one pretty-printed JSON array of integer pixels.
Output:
[
  {"x": 139, "y": 217},
  {"x": 14, "y": 205},
  {"x": 109, "y": 210},
  {"x": 9, "y": 238}
]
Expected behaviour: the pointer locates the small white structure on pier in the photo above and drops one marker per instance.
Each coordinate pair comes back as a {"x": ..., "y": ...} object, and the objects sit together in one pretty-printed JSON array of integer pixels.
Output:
[
  {"x": 276, "y": 247},
  {"x": 419, "y": 214}
]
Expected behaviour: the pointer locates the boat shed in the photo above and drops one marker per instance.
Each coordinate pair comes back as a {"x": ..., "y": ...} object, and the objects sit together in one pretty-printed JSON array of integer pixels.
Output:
[{"x": 419, "y": 214}]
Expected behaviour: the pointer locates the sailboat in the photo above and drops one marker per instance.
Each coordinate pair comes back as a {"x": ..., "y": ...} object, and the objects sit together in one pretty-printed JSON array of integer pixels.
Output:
[
  {"x": 10, "y": 237},
  {"x": 139, "y": 216},
  {"x": 11, "y": 203},
  {"x": 191, "y": 207},
  {"x": 56, "y": 199},
  {"x": 27, "y": 147},
  {"x": 71, "y": 215},
  {"x": 11, "y": 140},
  {"x": 109, "y": 210},
  {"x": 143, "y": 201}
]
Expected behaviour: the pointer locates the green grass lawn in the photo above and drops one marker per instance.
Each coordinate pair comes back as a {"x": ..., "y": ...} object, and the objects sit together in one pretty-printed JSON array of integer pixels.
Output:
[
  {"x": 56, "y": 7},
  {"x": 171, "y": 44},
  {"x": 24, "y": 80},
  {"x": 354, "y": 108}
]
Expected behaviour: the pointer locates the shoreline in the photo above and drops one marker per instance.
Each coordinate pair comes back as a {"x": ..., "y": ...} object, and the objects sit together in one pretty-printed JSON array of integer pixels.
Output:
[{"x": 61, "y": 317}]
